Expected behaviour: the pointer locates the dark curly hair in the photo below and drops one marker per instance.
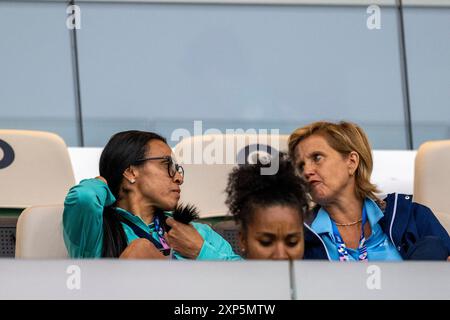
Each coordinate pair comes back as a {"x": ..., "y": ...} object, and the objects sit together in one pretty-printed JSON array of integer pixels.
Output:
[{"x": 248, "y": 190}]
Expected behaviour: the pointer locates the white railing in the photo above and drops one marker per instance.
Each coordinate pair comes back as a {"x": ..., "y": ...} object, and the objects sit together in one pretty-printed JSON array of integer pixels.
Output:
[
  {"x": 194, "y": 280},
  {"x": 413, "y": 3}
]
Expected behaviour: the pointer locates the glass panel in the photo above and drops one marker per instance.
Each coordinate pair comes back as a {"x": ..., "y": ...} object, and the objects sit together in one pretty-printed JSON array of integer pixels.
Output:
[
  {"x": 427, "y": 32},
  {"x": 36, "y": 84},
  {"x": 161, "y": 66}
]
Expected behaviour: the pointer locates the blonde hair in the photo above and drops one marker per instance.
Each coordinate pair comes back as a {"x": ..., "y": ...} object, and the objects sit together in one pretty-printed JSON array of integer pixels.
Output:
[{"x": 344, "y": 137}]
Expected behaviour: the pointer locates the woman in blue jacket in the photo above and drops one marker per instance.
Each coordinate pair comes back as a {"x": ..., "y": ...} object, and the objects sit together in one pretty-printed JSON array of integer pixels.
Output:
[
  {"x": 126, "y": 211},
  {"x": 350, "y": 222}
]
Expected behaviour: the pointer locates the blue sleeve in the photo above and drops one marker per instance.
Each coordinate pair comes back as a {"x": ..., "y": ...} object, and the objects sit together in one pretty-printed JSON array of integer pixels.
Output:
[
  {"x": 83, "y": 218},
  {"x": 214, "y": 246},
  {"x": 429, "y": 225}
]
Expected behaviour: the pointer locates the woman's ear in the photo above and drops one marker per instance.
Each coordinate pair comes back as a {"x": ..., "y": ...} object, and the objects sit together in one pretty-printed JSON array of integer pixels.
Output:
[
  {"x": 130, "y": 174},
  {"x": 353, "y": 162}
]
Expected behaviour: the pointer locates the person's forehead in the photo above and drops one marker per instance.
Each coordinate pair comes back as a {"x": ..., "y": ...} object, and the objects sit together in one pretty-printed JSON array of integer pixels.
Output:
[
  {"x": 158, "y": 148},
  {"x": 275, "y": 215},
  {"x": 311, "y": 144}
]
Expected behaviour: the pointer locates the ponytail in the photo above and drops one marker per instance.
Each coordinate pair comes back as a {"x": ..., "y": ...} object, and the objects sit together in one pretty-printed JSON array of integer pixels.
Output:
[{"x": 114, "y": 238}]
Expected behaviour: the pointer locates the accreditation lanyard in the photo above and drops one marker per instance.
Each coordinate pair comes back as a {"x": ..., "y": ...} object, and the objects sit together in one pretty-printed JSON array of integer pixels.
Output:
[
  {"x": 160, "y": 244},
  {"x": 342, "y": 249},
  {"x": 160, "y": 232}
]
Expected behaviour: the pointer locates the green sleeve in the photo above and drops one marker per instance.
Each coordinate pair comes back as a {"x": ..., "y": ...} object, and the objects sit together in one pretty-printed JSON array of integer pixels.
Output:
[
  {"x": 214, "y": 246},
  {"x": 83, "y": 218}
]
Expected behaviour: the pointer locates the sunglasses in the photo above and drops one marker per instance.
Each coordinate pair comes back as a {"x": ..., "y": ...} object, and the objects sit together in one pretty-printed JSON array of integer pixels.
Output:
[{"x": 172, "y": 167}]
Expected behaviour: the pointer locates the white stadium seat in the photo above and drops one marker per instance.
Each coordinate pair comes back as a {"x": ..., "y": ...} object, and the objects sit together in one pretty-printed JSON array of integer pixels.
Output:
[
  {"x": 432, "y": 179},
  {"x": 39, "y": 233},
  {"x": 208, "y": 160},
  {"x": 40, "y": 171},
  {"x": 35, "y": 169}
]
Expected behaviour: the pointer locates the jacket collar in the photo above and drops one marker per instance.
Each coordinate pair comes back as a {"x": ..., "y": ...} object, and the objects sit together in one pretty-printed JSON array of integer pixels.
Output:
[
  {"x": 396, "y": 216},
  {"x": 314, "y": 246}
]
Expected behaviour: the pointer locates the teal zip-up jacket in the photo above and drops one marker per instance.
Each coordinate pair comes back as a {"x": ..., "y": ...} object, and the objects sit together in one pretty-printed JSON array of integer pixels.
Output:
[{"x": 83, "y": 225}]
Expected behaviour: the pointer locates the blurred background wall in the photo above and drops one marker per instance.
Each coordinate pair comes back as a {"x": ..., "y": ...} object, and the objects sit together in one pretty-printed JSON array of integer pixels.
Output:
[{"x": 160, "y": 65}]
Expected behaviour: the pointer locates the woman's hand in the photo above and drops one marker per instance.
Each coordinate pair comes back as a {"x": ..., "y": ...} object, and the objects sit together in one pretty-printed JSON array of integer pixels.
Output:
[
  {"x": 102, "y": 179},
  {"x": 141, "y": 249},
  {"x": 184, "y": 239}
]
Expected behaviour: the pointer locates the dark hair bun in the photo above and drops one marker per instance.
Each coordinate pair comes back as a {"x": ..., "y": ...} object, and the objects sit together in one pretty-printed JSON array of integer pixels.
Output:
[{"x": 248, "y": 188}]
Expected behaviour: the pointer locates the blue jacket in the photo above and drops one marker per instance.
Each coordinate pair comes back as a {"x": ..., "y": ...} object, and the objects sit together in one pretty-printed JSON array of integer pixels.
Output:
[{"x": 412, "y": 227}]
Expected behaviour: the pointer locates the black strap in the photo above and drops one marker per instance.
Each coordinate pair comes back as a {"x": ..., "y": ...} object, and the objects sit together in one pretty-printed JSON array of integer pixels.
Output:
[{"x": 142, "y": 234}]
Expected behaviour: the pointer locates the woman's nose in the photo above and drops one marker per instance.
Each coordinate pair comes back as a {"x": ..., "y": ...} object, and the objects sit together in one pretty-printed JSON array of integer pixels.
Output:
[
  {"x": 308, "y": 170},
  {"x": 280, "y": 252},
  {"x": 178, "y": 178}
]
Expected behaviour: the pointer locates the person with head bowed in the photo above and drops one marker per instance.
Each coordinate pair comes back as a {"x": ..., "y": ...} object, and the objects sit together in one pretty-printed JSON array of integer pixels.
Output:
[
  {"x": 350, "y": 222},
  {"x": 131, "y": 210},
  {"x": 269, "y": 210}
]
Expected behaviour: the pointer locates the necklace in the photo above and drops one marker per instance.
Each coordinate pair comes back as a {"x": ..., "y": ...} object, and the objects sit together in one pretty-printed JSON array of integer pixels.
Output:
[
  {"x": 340, "y": 244},
  {"x": 348, "y": 224}
]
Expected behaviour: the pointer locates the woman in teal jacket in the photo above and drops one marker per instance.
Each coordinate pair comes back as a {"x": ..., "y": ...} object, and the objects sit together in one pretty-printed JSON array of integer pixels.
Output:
[{"x": 126, "y": 211}]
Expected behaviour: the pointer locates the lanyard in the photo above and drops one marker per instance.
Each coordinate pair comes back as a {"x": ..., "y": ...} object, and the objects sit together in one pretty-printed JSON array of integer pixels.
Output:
[
  {"x": 160, "y": 233},
  {"x": 161, "y": 245},
  {"x": 342, "y": 249}
]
